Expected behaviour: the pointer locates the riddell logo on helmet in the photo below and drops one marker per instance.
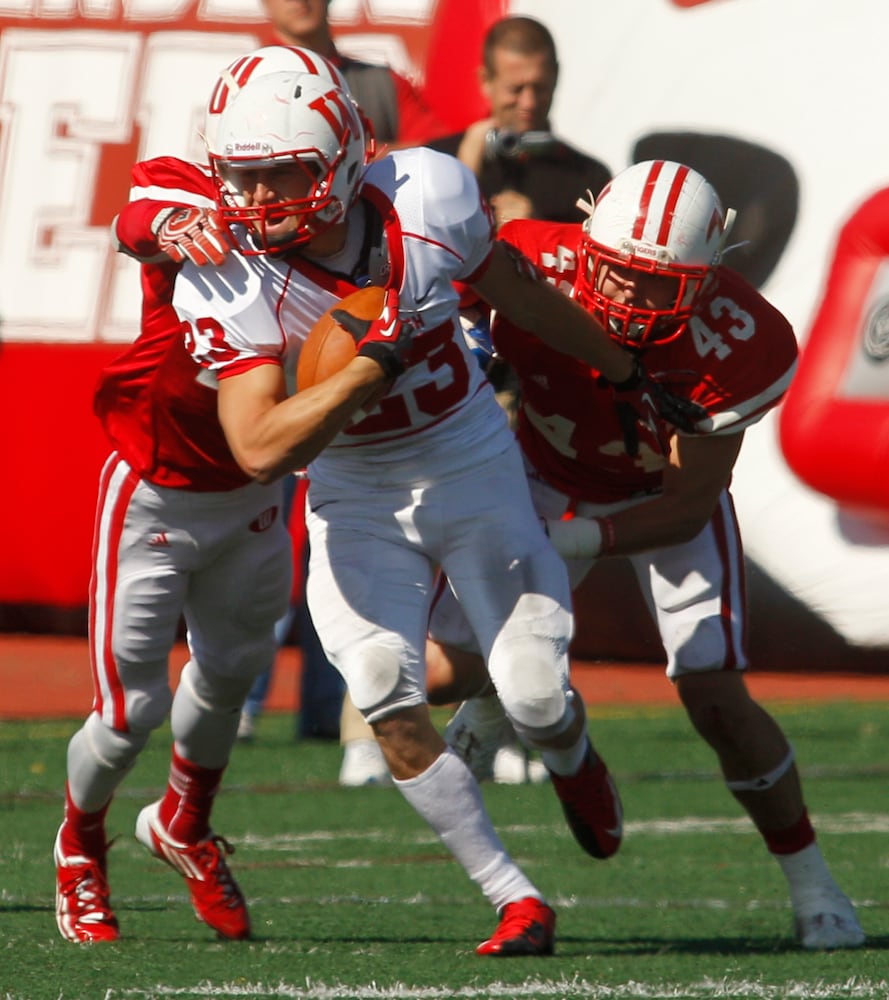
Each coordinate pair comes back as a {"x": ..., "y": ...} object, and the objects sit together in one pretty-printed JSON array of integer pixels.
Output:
[{"x": 245, "y": 147}]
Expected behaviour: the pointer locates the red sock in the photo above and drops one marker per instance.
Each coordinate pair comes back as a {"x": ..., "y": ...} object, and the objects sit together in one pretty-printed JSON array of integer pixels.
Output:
[
  {"x": 83, "y": 833},
  {"x": 185, "y": 807},
  {"x": 792, "y": 838}
]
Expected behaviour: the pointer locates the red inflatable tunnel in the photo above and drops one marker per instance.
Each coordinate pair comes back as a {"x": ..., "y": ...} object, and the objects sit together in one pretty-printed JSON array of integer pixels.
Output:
[{"x": 834, "y": 424}]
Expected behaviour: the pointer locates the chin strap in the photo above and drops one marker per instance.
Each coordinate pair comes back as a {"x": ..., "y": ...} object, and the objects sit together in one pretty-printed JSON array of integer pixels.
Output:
[{"x": 587, "y": 205}]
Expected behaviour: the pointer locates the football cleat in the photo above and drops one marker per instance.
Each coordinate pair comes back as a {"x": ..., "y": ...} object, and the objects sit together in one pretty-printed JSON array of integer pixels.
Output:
[
  {"x": 527, "y": 927},
  {"x": 363, "y": 764},
  {"x": 475, "y": 734},
  {"x": 513, "y": 766},
  {"x": 215, "y": 895},
  {"x": 246, "y": 727},
  {"x": 826, "y": 921},
  {"x": 592, "y": 807},
  {"x": 83, "y": 900}
]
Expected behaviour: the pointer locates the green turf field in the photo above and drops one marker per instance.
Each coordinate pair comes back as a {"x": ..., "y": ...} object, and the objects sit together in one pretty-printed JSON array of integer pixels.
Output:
[{"x": 351, "y": 896}]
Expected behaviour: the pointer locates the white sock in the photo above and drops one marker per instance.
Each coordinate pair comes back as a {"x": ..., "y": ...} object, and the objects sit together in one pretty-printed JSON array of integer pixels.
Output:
[
  {"x": 806, "y": 873},
  {"x": 448, "y": 798}
]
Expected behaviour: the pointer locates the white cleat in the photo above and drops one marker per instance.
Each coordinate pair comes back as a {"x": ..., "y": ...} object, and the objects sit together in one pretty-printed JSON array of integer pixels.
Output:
[
  {"x": 513, "y": 766},
  {"x": 482, "y": 736},
  {"x": 826, "y": 921},
  {"x": 363, "y": 764},
  {"x": 475, "y": 734},
  {"x": 246, "y": 727}
]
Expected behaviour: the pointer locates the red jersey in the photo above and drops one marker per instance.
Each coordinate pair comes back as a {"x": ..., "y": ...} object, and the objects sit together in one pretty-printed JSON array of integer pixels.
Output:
[
  {"x": 735, "y": 359},
  {"x": 154, "y": 408}
]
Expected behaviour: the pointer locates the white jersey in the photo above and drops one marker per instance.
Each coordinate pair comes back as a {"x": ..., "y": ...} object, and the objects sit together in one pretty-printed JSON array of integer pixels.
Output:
[
  {"x": 259, "y": 309},
  {"x": 431, "y": 478}
]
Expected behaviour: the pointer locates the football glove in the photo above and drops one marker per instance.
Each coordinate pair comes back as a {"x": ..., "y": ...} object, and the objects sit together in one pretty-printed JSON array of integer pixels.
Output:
[
  {"x": 386, "y": 339},
  {"x": 642, "y": 398},
  {"x": 195, "y": 234}
]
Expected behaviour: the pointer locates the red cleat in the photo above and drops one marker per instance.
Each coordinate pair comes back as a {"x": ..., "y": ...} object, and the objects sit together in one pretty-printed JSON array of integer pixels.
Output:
[
  {"x": 592, "y": 807},
  {"x": 215, "y": 895},
  {"x": 527, "y": 927},
  {"x": 83, "y": 900}
]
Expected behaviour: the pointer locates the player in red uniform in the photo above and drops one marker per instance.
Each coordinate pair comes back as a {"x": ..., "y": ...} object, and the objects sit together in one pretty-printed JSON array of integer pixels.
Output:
[
  {"x": 179, "y": 527},
  {"x": 646, "y": 262}
]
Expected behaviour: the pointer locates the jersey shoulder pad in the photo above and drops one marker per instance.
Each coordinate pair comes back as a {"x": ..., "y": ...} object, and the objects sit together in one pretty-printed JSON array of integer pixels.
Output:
[
  {"x": 431, "y": 186},
  {"x": 745, "y": 351}
]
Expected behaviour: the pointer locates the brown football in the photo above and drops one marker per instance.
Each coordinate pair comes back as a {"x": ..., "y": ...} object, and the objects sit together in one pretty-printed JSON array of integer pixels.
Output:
[{"x": 329, "y": 347}]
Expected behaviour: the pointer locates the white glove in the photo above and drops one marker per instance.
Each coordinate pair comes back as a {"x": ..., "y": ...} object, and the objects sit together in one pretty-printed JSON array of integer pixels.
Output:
[{"x": 578, "y": 538}]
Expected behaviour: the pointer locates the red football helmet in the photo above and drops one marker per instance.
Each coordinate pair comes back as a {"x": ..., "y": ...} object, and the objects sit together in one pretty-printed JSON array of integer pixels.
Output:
[{"x": 654, "y": 218}]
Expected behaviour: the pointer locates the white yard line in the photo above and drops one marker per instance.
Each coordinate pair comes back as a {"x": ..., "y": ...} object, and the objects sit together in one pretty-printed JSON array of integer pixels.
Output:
[{"x": 537, "y": 989}]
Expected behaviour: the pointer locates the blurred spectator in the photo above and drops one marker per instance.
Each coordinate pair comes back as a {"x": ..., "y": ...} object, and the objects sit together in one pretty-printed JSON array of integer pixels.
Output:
[
  {"x": 399, "y": 114},
  {"x": 450, "y": 69},
  {"x": 524, "y": 170}
]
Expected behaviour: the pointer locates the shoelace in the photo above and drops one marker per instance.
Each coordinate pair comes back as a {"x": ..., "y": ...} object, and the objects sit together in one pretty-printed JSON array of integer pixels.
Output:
[
  {"x": 88, "y": 884},
  {"x": 215, "y": 850},
  {"x": 515, "y": 924}
]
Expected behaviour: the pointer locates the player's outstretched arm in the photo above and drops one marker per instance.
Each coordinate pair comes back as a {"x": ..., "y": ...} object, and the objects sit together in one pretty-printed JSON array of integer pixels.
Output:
[
  {"x": 698, "y": 470},
  {"x": 155, "y": 232},
  {"x": 515, "y": 288},
  {"x": 171, "y": 215}
]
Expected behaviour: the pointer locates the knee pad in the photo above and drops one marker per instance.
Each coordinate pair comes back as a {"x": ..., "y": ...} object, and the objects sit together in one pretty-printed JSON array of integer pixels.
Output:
[
  {"x": 205, "y": 716},
  {"x": 111, "y": 748},
  {"x": 529, "y": 667},
  {"x": 213, "y": 692},
  {"x": 532, "y": 688},
  {"x": 373, "y": 672}
]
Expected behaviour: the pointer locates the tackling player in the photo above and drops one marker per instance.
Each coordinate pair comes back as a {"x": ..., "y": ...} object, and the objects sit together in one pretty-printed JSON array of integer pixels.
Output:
[
  {"x": 289, "y": 154},
  {"x": 179, "y": 527},
  {"x": 647, "y": 264}
]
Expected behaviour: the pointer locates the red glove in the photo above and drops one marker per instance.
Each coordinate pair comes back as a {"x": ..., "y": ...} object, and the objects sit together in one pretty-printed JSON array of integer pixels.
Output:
[
  {"x": 386, "y": 339},
  {"x": 195, "y": 234}
]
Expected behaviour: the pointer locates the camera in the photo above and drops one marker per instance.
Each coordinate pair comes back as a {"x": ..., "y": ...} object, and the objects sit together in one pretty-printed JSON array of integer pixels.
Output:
[{"x": 506, "y": 144}]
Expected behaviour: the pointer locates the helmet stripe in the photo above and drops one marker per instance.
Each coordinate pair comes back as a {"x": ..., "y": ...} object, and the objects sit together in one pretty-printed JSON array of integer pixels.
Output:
[
  {"x": 670, "y": 206},
  {"x": 243, "y": 69},
  {"x": 310, "y": 66},
  {"x": 645, "y": 202}
]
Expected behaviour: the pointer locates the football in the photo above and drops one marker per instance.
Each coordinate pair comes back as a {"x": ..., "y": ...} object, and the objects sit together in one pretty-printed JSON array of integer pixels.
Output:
[{"x": 329, "y": 347}]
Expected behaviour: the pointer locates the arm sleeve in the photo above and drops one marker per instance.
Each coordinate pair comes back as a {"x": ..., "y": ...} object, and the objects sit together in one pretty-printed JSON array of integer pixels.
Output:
[{"x": 154, "y": 185}]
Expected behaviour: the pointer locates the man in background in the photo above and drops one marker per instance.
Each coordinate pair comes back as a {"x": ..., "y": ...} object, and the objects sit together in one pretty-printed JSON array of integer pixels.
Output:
[
  {"x": 399, "y": 114},
  {"x": 524, "y": 170}
]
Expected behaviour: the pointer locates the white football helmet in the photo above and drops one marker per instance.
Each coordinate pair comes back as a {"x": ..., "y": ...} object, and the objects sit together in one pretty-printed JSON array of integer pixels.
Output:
[
  {"x": 656, "y": 217},
  {"x": 262, "y": 62},
  {"x": 297, "y": 119}
]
